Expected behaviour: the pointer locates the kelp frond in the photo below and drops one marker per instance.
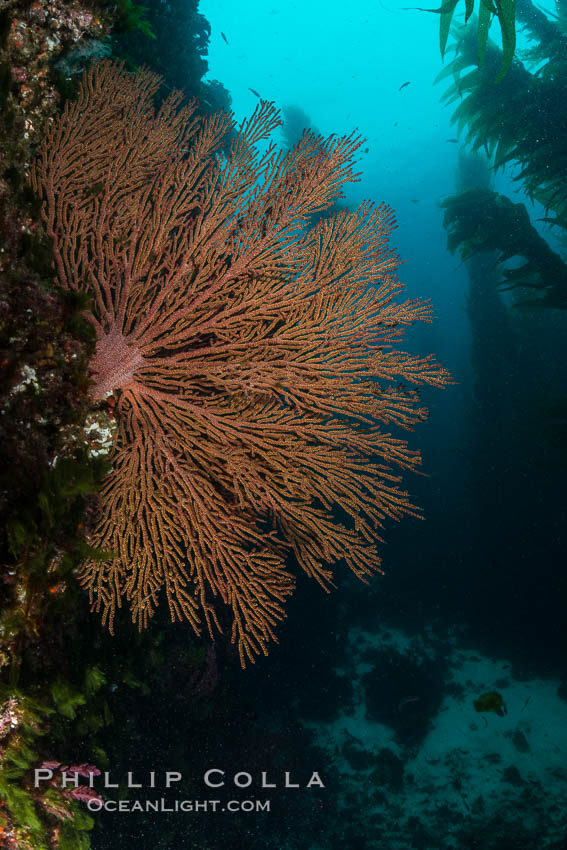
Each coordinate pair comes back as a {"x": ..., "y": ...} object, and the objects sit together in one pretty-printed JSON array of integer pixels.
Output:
[
  {"x": 521, "y": 121},
  {"x": 547, "y": 34},
  {"x": 482, "y": 220},
  {"x": 504, "y": 10}
]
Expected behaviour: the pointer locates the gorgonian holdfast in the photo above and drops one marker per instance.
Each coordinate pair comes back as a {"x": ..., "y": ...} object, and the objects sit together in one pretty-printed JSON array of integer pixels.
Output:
[{"x": 250, "y": 355}]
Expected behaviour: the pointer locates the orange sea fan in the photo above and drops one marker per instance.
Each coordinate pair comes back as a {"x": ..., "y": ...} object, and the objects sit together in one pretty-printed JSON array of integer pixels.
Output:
[{"x": 250, "y": 355}]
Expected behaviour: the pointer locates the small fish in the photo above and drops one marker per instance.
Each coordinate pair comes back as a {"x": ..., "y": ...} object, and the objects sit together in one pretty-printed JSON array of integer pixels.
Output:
[
  {"x": 453, "y": 141},
  {"x": 95, "y": 189},
  {"x": 414, "y": 201},
  {"x": 403, "y": 85},
  {"x": 406, "y": 701},
  {"x": 254, "y": 91},
  {"x": 224, "y": 38}
]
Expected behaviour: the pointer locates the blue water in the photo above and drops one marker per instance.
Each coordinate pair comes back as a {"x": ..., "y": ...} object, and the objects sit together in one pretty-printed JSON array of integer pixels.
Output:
[{"x": 485, "y": 579}]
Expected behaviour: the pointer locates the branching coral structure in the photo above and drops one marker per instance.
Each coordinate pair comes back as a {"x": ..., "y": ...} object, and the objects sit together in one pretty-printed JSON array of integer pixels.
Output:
[{"x": 250, "y": 358}]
